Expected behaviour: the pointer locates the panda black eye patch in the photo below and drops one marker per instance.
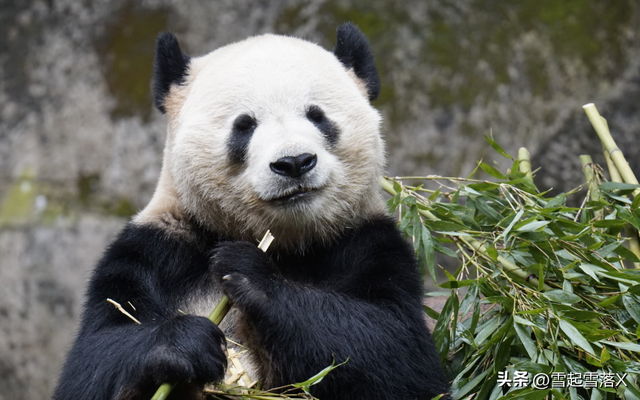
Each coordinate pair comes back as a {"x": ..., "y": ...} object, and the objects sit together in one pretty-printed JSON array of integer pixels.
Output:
[
  {"x": 243, "y": 128},
  {"x": 328, "y": 128}
]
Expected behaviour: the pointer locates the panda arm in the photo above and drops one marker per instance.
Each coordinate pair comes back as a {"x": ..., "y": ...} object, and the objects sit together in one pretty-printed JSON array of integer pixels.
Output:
[
  {"x": 368, "y": 309},
  {"x": 114, "y": 357}
]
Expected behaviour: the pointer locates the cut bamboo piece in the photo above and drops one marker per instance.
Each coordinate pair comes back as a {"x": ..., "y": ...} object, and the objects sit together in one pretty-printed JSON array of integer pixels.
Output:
[
  {"x": 122, "y": 310},
  {"x": 524, "y": 162}
]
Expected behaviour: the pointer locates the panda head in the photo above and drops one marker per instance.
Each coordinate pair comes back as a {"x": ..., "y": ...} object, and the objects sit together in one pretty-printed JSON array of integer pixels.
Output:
[{"x": 272, "y": 132}]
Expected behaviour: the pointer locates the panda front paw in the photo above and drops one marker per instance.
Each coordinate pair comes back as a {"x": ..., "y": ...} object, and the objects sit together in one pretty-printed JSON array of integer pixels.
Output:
[
  {"x": 244, "y": 272},
  {"x": 187, "y": 349}
]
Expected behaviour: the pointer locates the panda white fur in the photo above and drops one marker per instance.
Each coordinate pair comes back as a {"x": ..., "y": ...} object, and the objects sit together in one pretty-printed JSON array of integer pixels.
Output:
[{"x": 271, "y": 133}]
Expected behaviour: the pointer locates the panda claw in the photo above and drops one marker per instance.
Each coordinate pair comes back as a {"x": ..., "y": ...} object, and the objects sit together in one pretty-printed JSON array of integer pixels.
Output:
[{"x": 226, "y": 277}]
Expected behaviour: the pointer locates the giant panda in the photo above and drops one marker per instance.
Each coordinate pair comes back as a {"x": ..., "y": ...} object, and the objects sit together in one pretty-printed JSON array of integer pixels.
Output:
[{"x": 276, "y": 133}]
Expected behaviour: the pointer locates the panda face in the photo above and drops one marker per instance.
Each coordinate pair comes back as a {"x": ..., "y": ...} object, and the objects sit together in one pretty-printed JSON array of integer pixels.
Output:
[{"x": 274, "y": 133}]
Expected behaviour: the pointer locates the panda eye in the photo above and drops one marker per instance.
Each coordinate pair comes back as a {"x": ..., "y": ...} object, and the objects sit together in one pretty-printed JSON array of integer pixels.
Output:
[
  {"x": 244, "y": 124},
  {"x": 315, "y": 115},
  {"x": 324, "y": 124}
]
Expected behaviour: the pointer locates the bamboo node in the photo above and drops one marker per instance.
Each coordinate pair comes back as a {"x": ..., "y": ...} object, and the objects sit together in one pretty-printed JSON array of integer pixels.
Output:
[{"x": 587, "y": 165}]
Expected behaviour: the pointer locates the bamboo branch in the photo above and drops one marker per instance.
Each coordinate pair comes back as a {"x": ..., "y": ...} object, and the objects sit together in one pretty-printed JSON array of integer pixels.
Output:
[
  {"x": 592, "y": 183},
  {"x": 476, "y": 245},
  {"x": 217, "y": 315}
]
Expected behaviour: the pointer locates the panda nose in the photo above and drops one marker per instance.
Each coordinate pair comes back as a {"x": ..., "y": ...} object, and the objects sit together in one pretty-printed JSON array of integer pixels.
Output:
[{"x": 294, "y": 167}]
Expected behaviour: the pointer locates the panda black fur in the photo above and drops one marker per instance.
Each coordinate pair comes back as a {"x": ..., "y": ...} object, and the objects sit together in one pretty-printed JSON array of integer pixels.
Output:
[{"x": 269, "y": 133}]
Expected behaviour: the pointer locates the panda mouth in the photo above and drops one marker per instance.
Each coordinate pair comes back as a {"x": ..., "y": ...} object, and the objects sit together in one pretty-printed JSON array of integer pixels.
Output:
[{"x": 297, "y": 194}]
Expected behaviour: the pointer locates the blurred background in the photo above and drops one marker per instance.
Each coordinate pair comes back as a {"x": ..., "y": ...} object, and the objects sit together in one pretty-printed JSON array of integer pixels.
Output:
[{"x": 81, "y": 144}]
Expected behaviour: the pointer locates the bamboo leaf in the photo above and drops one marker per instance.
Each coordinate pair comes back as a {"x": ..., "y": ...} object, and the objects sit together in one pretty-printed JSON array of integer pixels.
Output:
[
  {"x": 533, "y": 226},
  {"x": 470, "y": 298},
  {"x": 604, "y": 355},
  {"x": 525, "y": 338},
  {"x": 514, "y": 221},
  {"x": 632, "y": 306},
  {"x": 431, "y": 312},
  {"x": 627, "y": 254},
  {"x": 471, "y": 385},
  {"x": 576, "y": 336},
  {"x": 317, "y": 378},
  {"x": 526, "y": 394},
  {"x": 523, "y": 321},
  {"x": 441, "y": 330},
  {"x": 457, "y": 284},
  {"x": 487, "y": 330},
  {"x": 445, "y": 250},
  {"x": 561, "y": 296},
  {"x": 623, "y": 345},
  {"x": 497, "y": 147},
  {"x": 589, "y": 270},
  {"x": 608, "y": 302},
  {"x": 429, "y": 250},
  {"x": 487, "y": 210},
  {"x": 627, "y": 187},
  {"x": 492, "y": 171},
  {"x": 631, "y": 367}
]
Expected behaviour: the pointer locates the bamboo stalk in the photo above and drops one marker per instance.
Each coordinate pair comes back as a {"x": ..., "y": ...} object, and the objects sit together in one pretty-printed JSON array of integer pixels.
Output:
[
  {"x": 217, "y": 315},
  {"x": 607, "y": 141},
  {"x": 630, "y": 232},
  {"x": 476, "y": 245},
  {"x": 524, "y": 162},
  {"x": 619, "y": 169},
  {"x": 613, "y": 171},
  {"x": 163, "y": 391}
]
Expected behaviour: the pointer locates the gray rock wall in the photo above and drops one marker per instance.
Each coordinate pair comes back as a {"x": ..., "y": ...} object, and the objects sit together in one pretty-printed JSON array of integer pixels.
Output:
[{"x": 81, "y": 145}]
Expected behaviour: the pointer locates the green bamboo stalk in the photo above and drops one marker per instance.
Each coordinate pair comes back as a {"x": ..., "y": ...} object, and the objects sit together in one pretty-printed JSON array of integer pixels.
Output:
[
  {"x": 613, "y": 171},
  {"x": 476, "y": 245},
  {"x": 607, "y": 141},
  {"x": 524, "y": 162},
  {"x": 217, "y": 315},
  {"x": 163, "y": 391}
]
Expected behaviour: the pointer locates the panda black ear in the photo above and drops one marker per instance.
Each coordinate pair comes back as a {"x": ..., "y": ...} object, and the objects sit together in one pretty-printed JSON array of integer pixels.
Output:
[
  {"x": 170, "y": 67},
  {"x": 353, "y": 51}
]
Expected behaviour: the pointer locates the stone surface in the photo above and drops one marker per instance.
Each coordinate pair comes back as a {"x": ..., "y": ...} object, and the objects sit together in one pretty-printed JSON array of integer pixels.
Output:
[{"x": 81, "y": 145}]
